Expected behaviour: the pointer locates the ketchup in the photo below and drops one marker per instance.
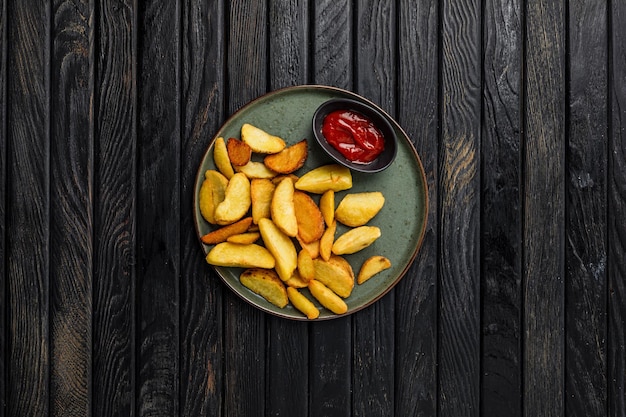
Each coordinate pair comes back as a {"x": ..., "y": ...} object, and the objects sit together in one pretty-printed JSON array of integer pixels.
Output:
[{"x": 353, "y": 135}]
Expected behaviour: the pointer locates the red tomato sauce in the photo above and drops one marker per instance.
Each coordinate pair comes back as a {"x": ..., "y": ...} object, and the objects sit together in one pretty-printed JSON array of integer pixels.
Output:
[{"x": 353, "y": 135}]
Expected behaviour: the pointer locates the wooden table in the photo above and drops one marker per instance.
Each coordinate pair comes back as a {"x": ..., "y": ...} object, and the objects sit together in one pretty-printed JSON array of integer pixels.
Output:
[{"x": 515, "y": 304}]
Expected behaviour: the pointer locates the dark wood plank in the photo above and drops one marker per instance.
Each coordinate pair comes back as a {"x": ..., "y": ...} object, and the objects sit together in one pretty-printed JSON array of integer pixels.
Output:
[
  {"x": 501, "y": 392},
  {"x": 586, "y": 381},
  {"x": 113, "y": 331},
  {"x": 4, "y": 204},
  {"x": 158, "y": 201},
  {"x": 288, "y": 347},
  {"x": 416, "y": 293},
  {"x": 330, "y": 389},
  {"x": 27, "y": 220},
  {"x": 374, "y": 327},
  {"x": 201, "y": 346},
  {"x": 71, "y": 207},
  {"x": 459, "y": 293},
  {"x": 616, "y": 308},
  {"x": 245, "y": 326},
  {"x": 543, "y": 259}
]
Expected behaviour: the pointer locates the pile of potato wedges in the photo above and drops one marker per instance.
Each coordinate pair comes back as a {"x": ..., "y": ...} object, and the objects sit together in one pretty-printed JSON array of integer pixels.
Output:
[{"x": 265, "y": 219}]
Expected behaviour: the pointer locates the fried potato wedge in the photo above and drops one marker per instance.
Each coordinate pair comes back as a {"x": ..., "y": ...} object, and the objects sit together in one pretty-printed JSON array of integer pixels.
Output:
[
  {"x": 261, "y": 193},
  {"x": 327, "y": 297},
  {"x": 313, "y": 248},
  {"x": 240, "y": 256},
  {"x": 244, "y": 238},
  {"x": 372, "y": 266},
  {"x": 359, "y": 208},
  {"x": 260, "y": 141},
  {"x": 310, "y": 222},
  {"x": 297, "y": 281},
  {"x": 212, "y": 193},
  {"x": 327, "y": 206},
  {"x": 327, "y": 240},
  {"x": 302, "y": 303},
  {"x": 267, "y": 284},
  {"x": 289, "y": 159},
  {"x": 255, "y": 169},
  {"x": 336, "y": 274},
  {"x": 278, "y": 178},
  {"x": 306, "y": 268},
  {"x": 236, "y": 201},
  {"x": 355, "y": 239},
  {"x": 326, "y": 177},
  {"x": 239, "y": 152},
  {"x": 223, "y": 233},
  {"x": 221, "y": 159},
  {"x": 283, "y": 211},
  {"x": 281, "y": 247}
]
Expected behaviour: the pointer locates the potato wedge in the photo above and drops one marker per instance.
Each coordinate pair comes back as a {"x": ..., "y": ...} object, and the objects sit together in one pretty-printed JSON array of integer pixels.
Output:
[
  {"x": 223, "y": 233},
  {"x": 355, "y": 239},
  {"x": 281, "y": 247},
  {"x": 303, "y": 304},
  {"x": 327, "y": 240},
  {"x": 236, "y": 201},
  {"x": 327, "y": 206},
  {"x": 310, "y": 222},
  {"x": 289, "y": 159},
  {"x": 359, "y": 208},
  {"x": 239, "y": 152},
  {"x": 266, "y": 283},
  {"x": 297, "y": 281},
  {"x": 212, "y": 193},
  {"x": 244, "y": 238},
  {"x": 313, "y": 248},
  {"x": 260, "y": 141},
  {"x": 334, "y": 274},
  {"x": 220, "y": 157},
  {"x": 255, "y": 169},
  {"x": 240, "y": 256},
  {"x": 283, "y": 210},
  {"x": 327, "y": 297},
  {"x": 261, "y": 193},
  {"x": 326, "y": 177},
  {"x": 278, "y": 178},
  {"x": 306, "y": 268},
  {"x": 372, "y": 266}
]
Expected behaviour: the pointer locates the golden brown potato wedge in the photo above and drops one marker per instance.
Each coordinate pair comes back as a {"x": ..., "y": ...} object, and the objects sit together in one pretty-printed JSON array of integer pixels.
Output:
[
  {"x": 244, "y": 238},
  {"x": 240, "y": 256},
  {"x": 266, "y": 283},
  {"x": 236, "y": 201},
  {"x": 220, "y": 157},
  {"x": 335, "y": 275},
  {"x": 212, "y": 193},
  {"x": 326, "y": 177},
  {"x": 239, "y": 152},
  {"x": 283, "y": 208},
  {"x": 327, "y": 297},
  {"x": 223, "y": 233},
  {"x": 327, "y": 206},
  {"x": 289, "y": 159},
  {"x": 327, "y": 240},
  {"x": 297, "y": 281},
  {"x": 255, "y": 169},
  {"x": 281, "y": 247},
  {"x": 372, "y": 266},
  {"x": 303, "y": 304},
  {"x": 310, "y": 222},
  {"x": 278, "y": 178},
  {"x": 355, "y": 239},
  {"x": 359, "y": 208},
  {"x": 306, "y": 268},
  {"x": 261, "y": 192},
  {"x": 313, "y": 248},
  {"x": 260, "y": 141}
]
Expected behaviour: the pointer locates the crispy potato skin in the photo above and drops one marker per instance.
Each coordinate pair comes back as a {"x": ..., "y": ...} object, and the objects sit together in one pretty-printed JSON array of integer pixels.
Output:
[
  {"x": 267, "y": 284},
  {"x": 240, "y": 256},
  {"x": 223, "y": 233},
  {"x": 302, "y": 303},
  {"x": 327, "y": 297},
  {"x": 372, "y": 266},
  {"x": 239, "y": 152},
  {"x": 289, "y": 159},
  {"x": 336, "y": 274},
  {"x": 260, "y": 141},
  {"x": 309, "y": 219},
  {"x": 221, "y": 159}
]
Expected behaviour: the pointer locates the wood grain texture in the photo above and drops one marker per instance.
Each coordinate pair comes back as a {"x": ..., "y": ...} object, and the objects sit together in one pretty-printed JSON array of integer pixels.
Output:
[
  {"x": 544, "y": 205},
  {"x": 616, "y": 214},
  {"x": 158, "y": 201},
  {"x": 27, "y": 259},
  {"x": 4, "y": 204},
  {"x": 201, "y": 345},
  {"x": 459, "y": 292},
  {"x": 374, "y": 327},
  {"x": 71, "y": 208},
  {"x": 586, "y": 381},
  {"x": 113, "y": 332},
  {"x": 332, "y": 43},
  {"x": 416, "y": 294},
  {"x": 288, "y": 346},
  {"x": 501, "y": 391}
]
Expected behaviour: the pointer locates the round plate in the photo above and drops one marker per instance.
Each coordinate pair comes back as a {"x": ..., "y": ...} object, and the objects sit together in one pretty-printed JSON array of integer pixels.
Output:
[{"x": 287, "y": 113}]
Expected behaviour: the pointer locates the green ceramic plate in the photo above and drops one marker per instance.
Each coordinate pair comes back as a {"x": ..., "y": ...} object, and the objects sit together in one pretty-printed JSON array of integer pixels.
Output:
[{"x": 287, "y": 113}]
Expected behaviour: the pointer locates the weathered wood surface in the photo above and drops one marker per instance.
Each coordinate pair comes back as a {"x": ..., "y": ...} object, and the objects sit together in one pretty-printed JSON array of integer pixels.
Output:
[{"x": 515, "y": 304}]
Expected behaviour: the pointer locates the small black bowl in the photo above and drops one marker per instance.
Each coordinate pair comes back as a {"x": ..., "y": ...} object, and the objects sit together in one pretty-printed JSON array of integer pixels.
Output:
[{"x": 382, "y": 123}]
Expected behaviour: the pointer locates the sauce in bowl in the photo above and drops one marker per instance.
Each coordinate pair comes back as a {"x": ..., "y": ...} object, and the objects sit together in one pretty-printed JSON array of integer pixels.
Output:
[{"x": 355, "y": 136}]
